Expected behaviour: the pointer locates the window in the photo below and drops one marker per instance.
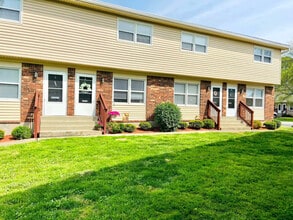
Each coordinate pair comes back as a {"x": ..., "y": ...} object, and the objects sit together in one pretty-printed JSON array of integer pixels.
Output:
[
  {"x": 9, "y": 83},
  {"x": 10, "y": 9},
  {"x": 129, "y": 91},
  {"x": 262, "y": 55},
  {"x": 254, "y": 97},
  {"x": 133, "y": 31},
  {"x": 186, "y": 94},
  {"x": 193, "y": 42}
]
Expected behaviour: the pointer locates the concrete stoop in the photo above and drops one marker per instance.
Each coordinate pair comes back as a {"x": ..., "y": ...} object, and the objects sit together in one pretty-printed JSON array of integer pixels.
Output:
[
  {"x": 233, "y": 124},
  {"x": 60, "y": 126}
]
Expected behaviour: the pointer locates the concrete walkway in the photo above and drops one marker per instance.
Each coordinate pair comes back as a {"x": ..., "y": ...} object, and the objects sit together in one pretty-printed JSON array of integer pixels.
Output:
[{"x": 287, "y": 124}]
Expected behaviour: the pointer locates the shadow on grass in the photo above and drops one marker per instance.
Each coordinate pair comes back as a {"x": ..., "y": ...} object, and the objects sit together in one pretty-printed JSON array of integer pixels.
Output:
[{"x": 243, "y": 178}]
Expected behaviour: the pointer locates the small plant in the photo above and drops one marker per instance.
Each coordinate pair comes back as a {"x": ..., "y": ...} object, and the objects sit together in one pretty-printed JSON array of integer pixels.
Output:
[
  {"x": 208, "y": 123},
  {"x": 129, "y": 128},
  {"x": 2, "y": 134},
  {"x": 122, "y": 126},
  {"x": 98, "y": 126},
  {"x": 145, "y": 125},
  {"x": 271, "y": 125},
  {"x": 196, "y": 124},
  {"x": 182, "y": 125},
  {"x": 21, "y": 132},
  {"x": 114, "y": 128},
  {"x": 257, "y": 124},
  {"x": 279, "y": 123},
  {"x": 167, "y": 116}
]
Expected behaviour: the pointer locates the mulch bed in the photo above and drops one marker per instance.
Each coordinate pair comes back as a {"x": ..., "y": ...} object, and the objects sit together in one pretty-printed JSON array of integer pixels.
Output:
[{"x": 6, "y": 138}]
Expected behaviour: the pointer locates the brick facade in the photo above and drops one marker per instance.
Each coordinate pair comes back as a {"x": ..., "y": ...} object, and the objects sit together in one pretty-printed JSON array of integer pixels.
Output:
[
  {"x": 159, "y": 89},
  {"x": 29, "y": 86},
  {"x": 269, "y": 102},
  {"x": 205, "y": 94},
  {"x": 104, "y": 86},
  {"x": 70, "y": 92},
  {"x": 224, "y": 99}
]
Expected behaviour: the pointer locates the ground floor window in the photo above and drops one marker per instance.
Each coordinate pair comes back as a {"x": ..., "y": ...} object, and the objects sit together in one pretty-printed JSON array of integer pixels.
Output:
[
  {"x": 186, "y": 94},
  {"x": 9, "y": 83},
  {"x": 254, "y": 97},
  {"x": 129, "y": 90}
]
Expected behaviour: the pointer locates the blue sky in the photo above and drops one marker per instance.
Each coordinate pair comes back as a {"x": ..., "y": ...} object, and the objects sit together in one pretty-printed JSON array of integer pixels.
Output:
[{"x": 267, "y": 19}]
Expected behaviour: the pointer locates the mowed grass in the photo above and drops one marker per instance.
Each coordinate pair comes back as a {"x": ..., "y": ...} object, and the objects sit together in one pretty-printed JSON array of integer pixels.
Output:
[
  {"x": 289, "y": 119},
  {"x": 180, "y": 176}
]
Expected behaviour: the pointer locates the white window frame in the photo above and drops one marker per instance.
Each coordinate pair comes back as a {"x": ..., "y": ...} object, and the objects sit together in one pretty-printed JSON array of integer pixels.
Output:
[
  {"x": 262, "y": 55},
  {"x": 254, "y": 97},
  {"x": 129, "y": 91},
  {"x": 194, "y": 42},
  {"x": 10, "y": 83},
  {"x": 135, "y": 32},
  {"x": 187, "y": 94},
  {"x": 16, "y": 10}
]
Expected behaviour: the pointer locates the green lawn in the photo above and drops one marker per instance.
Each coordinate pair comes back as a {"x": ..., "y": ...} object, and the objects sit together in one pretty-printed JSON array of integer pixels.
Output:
[
  {"x": 213, "y": 175},
  {"x": 285, "y": 119}
]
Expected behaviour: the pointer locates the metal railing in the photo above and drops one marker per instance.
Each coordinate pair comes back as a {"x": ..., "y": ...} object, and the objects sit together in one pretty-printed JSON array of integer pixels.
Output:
[
  {"x": 246, "y": 114},
  {"x": 103, "y": 113},
  {"x": 37, "y": 116},
  {"x": 214, "y": 113}
]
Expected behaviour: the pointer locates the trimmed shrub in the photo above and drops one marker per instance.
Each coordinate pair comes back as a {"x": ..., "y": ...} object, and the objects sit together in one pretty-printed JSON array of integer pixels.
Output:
[
  {"x": 122, "y": 126},
  {"x": 167, "y": 116},
  {"x": 145, "y": 125},
  {"x": 208, "y": 123},
  {"x": 129, "y": 128},
  {"x": 257, "y": 124},
  {"x": 114, "y": 128},
  {"x": 272, "y": 125},
  {"x": 21, "y": 132},
  {"x": 2, "y": 134},
  {"x": 279, "y": 123},
  {"x": 196, "y": 124},
  {"x": 182, "y": 125}
]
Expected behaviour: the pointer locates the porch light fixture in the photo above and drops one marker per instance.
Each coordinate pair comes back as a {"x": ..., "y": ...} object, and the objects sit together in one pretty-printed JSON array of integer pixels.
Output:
[
  {"x": 208, "y": 88},
  {"x": 102, "y": 80},
  {"x": 241, "y": 90},
  {"x": 35, "y": 75}
]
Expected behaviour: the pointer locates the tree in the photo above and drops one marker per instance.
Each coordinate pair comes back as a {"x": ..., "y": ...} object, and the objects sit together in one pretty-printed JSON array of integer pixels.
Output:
[{"x": 284, "y": 92}]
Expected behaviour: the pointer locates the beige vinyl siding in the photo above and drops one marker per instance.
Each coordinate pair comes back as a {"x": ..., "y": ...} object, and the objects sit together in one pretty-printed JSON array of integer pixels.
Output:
[
  {"x": 10, "y": 111},
  {"x": 136, "y": 112},
  {"x": 63, "y": 33},
  {"x": 259, "y": 113},
  {"x": 189, "y": 112}
]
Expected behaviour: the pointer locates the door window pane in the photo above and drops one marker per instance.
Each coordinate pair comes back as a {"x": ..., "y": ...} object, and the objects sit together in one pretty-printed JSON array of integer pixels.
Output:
[
  {"x": 55, "y": 81},
  {"x": 85, "y": 89},
  {"x": 55, "y": 95},
  {"x": 55, "y": 88}
]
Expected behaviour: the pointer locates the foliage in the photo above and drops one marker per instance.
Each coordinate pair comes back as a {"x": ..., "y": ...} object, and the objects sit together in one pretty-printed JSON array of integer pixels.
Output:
[
  {"x": 214, "y": 175},
  {"x": 278, "y": 122},
  {"x": 196, "y": 124},
  {"x": 257, "y": 124},
  {"x": 182, "y": 125},
  {"x": 272, "y": 125},
  {"x": 290, "y": 119},
  {"x": 114, "y": 127},
  {"x": 98, "y": 126},
  {"x": 21, "y": 132},
  {"x": 2, "y": 134},
  {"x": 129, "y": 128},
  {"x": 167, "y": 116},
  {"x": 122, "y": 126},
  {"x": 284, "y": 92},
  {"x": 145, "y": 125},
  {"x": 208, "y": 123}
]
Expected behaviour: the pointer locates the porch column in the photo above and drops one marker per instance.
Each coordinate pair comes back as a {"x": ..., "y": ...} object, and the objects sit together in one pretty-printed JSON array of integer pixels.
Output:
[
  {"x": 269, "y": 102},
  {"x": 70, "y": 91},
  {"x": 205, "y": 94},
  {"x": 104, "y": 86},
  {"x": 224, "y": 99}
]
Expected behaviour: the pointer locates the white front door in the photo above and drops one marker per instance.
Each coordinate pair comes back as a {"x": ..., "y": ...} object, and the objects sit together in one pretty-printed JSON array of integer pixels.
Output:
[
  {"x": 85, "y": 94},
  {"x": 55, "y": 93},
  {"x": 217, "y": 96},
  {"x": 231, "y": 101}
]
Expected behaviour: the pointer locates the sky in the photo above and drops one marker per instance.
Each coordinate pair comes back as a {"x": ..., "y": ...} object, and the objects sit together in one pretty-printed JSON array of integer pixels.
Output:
[{"x": 267, "y": 19}]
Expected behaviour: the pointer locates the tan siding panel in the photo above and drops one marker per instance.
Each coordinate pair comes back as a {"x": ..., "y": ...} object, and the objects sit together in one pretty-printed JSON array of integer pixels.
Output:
[
  {"x": 64, "y": 33},
  {"x": 9, "y": 111},
  {"x": 136, "y": 112},
  {"x": 258, "y": 113},
  {"x": 189, "y": 112}
]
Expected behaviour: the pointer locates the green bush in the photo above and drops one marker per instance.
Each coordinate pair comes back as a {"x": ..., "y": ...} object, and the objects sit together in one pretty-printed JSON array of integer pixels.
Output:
[
  {"x": 145, "y": 125},
  {"x": 208, "y": 123},
  {"x": 257, "y": 124},
  {"x": 196, "y": 124},
  {"x": 182, "y": 125},
  {"x": 122, "y": 126},
  {"x": 167, "y": 116},
  {"x": 114, "y": 128},
  {"x": 98, "y": 126},
  {"x": 129, "y": 128},
  {"x": 272, "y": 125},
  {"x": 2, "y": 134},
  {"x": 21, "y": 132},
  {"x": 279, "y": 123}
]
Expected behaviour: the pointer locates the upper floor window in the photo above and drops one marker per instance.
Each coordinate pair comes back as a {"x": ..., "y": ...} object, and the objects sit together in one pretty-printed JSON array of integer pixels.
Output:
[
  {"x": 262, "y": 55},
  {"x": 134, "y": 31},
  {"x": 129, "y": 90},
  {"x": 254, "y": 97},
  {"x": 194, "y": 42},
  {"x": 10, "y": 9},
  {"x": 9, "y": 83},
  {"x": 186, "y": 94}
]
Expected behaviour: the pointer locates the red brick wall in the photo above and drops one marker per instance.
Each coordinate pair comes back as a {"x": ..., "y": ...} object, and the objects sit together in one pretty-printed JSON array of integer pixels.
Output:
[
  {"x": 241, "y": 93},
  {"x": 70, "y": 92},
  {"x": 269, "y": 102},
  {"x": 29, "y": 86},
  {"x": 104, "y": 86},
  {"x": 224, "y": 99},
  {"x": 205, "y": 94},
  {"x": 159, "y": 89}
]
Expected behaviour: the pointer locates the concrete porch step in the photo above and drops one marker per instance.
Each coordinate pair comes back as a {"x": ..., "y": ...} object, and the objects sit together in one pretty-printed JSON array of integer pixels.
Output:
[
  {"x": 69, "y": 133},
  {"x": 233, "y": 124}
]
